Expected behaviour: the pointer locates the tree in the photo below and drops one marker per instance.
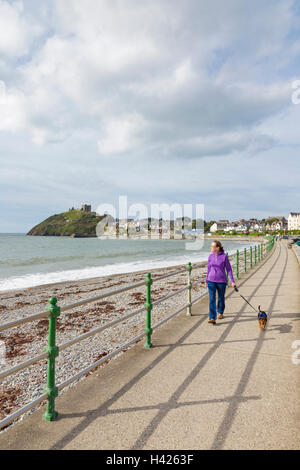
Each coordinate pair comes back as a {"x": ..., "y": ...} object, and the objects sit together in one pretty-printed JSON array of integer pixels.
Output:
[{"x": 207, "y": 225}]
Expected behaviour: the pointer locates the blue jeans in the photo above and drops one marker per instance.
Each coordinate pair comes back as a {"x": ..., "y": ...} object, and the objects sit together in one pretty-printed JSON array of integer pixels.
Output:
[{"x": 213, "y": 287}]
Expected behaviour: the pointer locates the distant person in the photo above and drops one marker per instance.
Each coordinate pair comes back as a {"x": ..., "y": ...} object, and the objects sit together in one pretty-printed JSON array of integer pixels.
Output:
[{"x": 216, "y": 280}]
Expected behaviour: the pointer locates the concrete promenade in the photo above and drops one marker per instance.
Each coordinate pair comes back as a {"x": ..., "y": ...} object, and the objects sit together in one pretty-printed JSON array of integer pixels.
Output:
[{"x": 229, "y": 386}]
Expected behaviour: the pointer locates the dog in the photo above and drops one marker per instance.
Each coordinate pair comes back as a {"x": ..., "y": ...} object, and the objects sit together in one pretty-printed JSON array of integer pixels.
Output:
[{"x": 262, "y": 319}]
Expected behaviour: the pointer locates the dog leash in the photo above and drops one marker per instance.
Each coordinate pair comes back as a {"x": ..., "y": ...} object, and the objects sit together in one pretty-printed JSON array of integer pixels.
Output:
[{"x": 236, "y": 290}]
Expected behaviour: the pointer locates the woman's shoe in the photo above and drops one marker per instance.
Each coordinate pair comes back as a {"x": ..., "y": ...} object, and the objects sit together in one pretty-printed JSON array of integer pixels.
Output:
[
  {"x": 213, "y": 322},
  {"x": 220, "y": 316}
]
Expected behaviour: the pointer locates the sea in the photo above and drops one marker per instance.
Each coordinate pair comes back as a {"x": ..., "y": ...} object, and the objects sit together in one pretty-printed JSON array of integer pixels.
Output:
[{"x": 27, "y": 261}]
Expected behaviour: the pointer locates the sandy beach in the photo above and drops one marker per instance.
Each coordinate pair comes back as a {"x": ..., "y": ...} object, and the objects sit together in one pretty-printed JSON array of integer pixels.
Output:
[{"x": 28, "y": 340}]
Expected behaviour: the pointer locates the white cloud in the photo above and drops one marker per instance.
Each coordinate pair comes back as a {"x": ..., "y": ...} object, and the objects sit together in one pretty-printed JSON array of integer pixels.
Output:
[
  {"x": 103, "y": 61},
  {"x": 17, "y": 29},
  {"x": 121, "y": 134},
  {"x": 13, "y": 111},
  {"x": 160, "y": 83}
]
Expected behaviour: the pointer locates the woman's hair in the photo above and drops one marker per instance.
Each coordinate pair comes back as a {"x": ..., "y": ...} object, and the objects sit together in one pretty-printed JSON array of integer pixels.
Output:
[{"x": 219, "y": 245}]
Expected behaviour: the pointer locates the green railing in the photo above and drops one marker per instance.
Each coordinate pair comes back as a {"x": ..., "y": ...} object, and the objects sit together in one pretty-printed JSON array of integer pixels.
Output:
[
  {"x": 260, "y": 250},
  {"x": 53, "y": 311}
]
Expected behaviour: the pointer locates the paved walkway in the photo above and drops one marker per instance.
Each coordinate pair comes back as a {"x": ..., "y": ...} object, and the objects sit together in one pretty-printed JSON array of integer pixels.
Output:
[{"x": 229, "y": 386}]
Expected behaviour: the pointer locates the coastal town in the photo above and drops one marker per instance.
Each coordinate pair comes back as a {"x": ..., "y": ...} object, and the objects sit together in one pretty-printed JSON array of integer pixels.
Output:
[
  {"x": 273, "y": 224},
  {"x": 133, "y": 225}
]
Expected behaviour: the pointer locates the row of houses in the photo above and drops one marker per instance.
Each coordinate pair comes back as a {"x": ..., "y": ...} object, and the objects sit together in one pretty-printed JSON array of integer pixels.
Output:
[
  {"x": 153, "y": 223},
  {"x": 242, "y": 225},
  {"x": 255, "y": 225}
]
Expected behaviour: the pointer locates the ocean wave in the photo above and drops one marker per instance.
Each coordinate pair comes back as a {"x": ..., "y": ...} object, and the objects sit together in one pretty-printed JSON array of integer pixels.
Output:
[
  {"x": 84, "y": 256},
  {"x": 158, "y": 260},
  {"x": 37, "y": 279},
  {"x": 36, "y": 260}
]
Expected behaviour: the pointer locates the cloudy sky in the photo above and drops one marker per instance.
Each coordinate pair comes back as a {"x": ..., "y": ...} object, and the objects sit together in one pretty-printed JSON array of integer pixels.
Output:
[{"x": 186, "y": 101}]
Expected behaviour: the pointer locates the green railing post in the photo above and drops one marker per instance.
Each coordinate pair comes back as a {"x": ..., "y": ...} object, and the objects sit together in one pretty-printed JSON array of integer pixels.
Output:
[
  {"x": 258, "y": 249},
  {"x": 148, "y": 306},
  {"x": 255, "y": 255},
  {"x": 237, "y": 263},
  {"x": 245, "y": 260},
  {"x": 251, "y": 258},
  {"x": 189, "y": 291},
  {"x": 226, "y": 271},
  {"x": 52, "y": 350}
]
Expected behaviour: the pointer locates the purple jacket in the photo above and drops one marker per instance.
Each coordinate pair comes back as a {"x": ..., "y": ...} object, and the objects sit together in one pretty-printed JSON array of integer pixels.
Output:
[{"x": 217, "y": 266}]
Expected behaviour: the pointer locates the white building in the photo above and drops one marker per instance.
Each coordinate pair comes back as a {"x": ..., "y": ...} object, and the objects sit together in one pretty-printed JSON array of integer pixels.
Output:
[
  {"x": 294, "y": 221},
  {"x": 256, "y": 227},
  {"x": 214, "y": 227},
  {"x": 220, "y": 225},
  {"x": 276, "y": 223}
]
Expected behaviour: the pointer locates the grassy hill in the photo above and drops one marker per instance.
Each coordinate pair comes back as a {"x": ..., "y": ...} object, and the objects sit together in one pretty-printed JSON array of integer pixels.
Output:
[{"x": 72, "y": 223}]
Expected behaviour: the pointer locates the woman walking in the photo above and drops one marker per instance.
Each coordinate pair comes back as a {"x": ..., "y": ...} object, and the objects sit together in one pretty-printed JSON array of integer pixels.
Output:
[{"x": 216, "y": 281}]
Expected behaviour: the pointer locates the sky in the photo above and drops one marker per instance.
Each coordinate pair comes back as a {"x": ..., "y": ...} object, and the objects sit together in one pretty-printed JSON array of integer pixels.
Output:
[{"x": 183, "y": 102}]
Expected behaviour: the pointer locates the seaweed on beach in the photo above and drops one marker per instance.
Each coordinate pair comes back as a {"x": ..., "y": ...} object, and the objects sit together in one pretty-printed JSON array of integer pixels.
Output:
[
  {"x": 97, "y": 358},
  {"x": 8, "y": 400},
  {"x": 139, "y": 298},
  {"x": 15, "y": 344}
]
